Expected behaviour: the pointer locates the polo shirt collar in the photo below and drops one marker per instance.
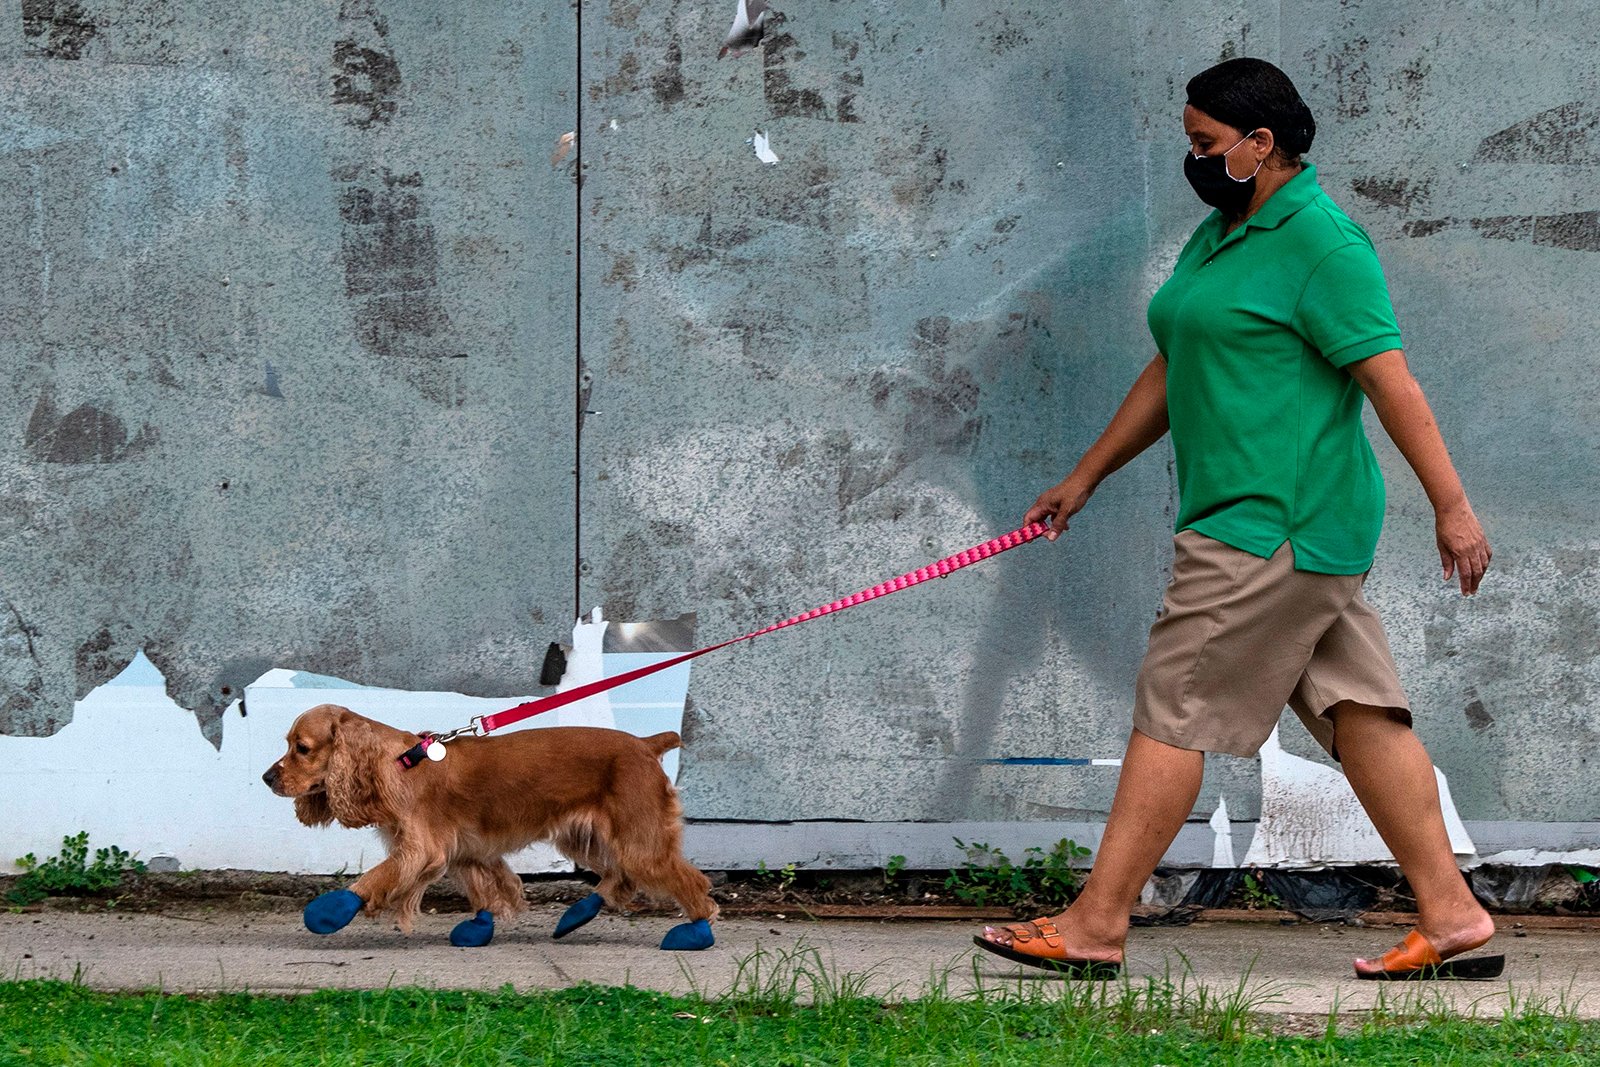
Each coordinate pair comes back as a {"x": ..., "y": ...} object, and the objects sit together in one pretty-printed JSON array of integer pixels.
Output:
[{"x": 1293, "y": 195}]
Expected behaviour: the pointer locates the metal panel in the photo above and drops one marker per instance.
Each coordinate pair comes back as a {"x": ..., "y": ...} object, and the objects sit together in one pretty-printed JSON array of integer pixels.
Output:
[
  {"x": 819, "y": 373},
  {"x": 288, "y": 346},
  {"x": 814, "y": 375}
]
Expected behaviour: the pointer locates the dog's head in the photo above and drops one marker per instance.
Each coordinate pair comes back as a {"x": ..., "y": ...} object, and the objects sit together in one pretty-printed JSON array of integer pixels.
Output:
[{"x": 335, "y": 768}]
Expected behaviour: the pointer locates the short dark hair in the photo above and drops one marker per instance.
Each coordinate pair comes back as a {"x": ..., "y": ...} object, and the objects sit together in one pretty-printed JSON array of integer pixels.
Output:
[{"x": 1249, "y": 94}]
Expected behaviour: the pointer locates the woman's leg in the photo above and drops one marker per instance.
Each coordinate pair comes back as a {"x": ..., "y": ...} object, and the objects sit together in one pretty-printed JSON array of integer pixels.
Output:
[
  {"x": 1392, "y": 775},
  {"x": 1155, "y": 794}
]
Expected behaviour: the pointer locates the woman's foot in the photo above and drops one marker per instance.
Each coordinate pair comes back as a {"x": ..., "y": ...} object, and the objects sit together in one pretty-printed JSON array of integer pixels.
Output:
[
  {"x": 1061, "y": 936},
  {"x": 1447, "y": 939}
]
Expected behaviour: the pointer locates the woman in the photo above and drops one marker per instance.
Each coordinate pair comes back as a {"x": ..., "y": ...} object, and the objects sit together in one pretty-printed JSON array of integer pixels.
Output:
[{"x": 1274, "y": 326}]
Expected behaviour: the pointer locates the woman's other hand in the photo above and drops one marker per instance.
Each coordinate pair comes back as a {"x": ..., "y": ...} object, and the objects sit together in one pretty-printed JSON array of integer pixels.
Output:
[
  {"x": 1058, "y": 504},
  {"x": 1463, "y": 549}
]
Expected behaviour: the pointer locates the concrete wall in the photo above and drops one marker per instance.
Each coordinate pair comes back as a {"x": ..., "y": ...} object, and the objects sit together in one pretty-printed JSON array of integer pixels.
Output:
[{"x": 302, "y": 302}]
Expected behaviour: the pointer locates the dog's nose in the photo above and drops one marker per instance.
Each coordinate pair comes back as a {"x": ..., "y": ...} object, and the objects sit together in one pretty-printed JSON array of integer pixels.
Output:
[{"x": 271, "y": 777}]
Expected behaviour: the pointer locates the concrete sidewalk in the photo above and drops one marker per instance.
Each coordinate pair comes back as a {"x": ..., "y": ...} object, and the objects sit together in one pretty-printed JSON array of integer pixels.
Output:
[{"x": 1306, "y": 967}]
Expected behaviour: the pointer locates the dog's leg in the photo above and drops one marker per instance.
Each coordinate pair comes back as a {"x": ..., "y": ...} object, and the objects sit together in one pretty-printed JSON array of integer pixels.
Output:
[
  {"x": 333, "y": 910},
  {"x": 614, "y": 889},
  {"x": 617, "y": 888},
  {"x": 493, "y": 889},
  {"x": 399, "y": 881},
  {"x": 672, "y": 874},
  {"x": 583, "y": 846}
]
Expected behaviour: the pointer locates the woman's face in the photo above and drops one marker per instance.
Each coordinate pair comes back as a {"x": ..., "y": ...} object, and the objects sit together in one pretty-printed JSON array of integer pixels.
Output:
[{"x": 1208, "y": 137}]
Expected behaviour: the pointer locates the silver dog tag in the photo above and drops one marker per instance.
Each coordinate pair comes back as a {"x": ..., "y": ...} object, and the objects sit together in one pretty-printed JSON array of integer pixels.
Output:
[{"x": 436, "y": 751}]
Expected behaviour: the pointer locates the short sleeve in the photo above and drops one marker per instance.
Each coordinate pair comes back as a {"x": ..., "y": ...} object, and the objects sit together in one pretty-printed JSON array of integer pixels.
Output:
[{"x": 1344, "y": 311}]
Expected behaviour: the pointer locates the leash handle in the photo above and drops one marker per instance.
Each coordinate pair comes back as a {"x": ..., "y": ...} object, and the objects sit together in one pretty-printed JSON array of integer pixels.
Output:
[{"x": 949, "y": 565}]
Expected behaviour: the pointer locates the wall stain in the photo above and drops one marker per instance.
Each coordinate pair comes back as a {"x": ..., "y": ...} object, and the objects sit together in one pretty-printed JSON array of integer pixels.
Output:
[
  {"x": 21, "y": 674},
  {"x": 1478, "y": 716},
  {"x": 625, "y": 80},
  {"x": 1408, "y": 83},
  {"x": 624, "y": 271},
  {"x": 391, "y": 273},
  {"x": 1352, "y": 77},
  {"x": 56, "y": 29},
  {"x": 784, "y": 99},
  {"x": 1569, "y": 133},
  {"x": 781, "y": 57},
  {"x": 928, "y": 165},
  {"x": 1001, "y": 36},
  {"x": 1574, "y": 231},
  {"x": 1392, "y": 192},
  {"x": 1577, "y": 632},
  {"x": 667, "y": 84},
  {"x": 95, "y": 660},
  {"x": 941, "y": 407},
  {"x": 365, "y": 78},
  {"x": 86, "y": 434}
]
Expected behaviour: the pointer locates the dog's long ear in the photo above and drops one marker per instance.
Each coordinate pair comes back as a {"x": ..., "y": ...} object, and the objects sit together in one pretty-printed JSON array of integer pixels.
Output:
[
  {"x": 312, "y": 809},
  {"x": 359, "y": 781}
]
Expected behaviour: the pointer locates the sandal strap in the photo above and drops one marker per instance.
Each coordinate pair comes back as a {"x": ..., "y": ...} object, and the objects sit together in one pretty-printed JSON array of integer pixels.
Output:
[
  {"x": 1412, "y": 954},
  {"x": 1043, "y": 929}
]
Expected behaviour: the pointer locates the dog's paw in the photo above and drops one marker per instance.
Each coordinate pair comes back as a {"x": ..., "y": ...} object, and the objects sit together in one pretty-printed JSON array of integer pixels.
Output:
[
  {"x": 476, "y": 931},
  {"x": 689, "y": 937},
  {"x": 332, "y": 911},
  {"x": 578, "y": 914}
]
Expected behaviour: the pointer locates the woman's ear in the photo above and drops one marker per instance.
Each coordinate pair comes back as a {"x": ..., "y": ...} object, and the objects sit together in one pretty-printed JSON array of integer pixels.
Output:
[{"x": 356, "y": 785}]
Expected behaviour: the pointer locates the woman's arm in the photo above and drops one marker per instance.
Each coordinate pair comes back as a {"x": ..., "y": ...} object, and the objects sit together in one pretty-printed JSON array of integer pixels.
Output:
[
  {"x": 1138, "y": 424},
  {"x": 1404, "y": 412}
]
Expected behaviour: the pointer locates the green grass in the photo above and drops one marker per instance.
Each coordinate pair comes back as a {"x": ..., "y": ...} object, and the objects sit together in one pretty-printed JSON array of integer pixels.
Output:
[{"x": 785, "y": 1009}]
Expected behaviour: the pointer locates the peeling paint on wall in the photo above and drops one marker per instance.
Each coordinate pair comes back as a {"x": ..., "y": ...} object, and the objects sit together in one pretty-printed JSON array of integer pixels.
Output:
[
  {"x": 132, "y": 769},
  {"x": 1310, "y": 817}
]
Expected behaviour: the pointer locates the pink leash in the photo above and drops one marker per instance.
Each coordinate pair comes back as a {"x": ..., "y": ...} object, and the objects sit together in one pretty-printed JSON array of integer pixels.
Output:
[{"x": 948, "y": 565}]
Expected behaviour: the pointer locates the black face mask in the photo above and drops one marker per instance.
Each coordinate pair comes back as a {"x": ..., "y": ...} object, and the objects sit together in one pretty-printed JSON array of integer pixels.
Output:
[{"x": 1215, "y": 186}]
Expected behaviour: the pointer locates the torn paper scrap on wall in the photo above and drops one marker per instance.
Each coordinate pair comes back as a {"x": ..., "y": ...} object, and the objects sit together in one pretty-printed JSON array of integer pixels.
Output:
[
  {"x": 1310, "y": 816},
  {"x": 651, "y": 705},
  {"x": 1222, "y": 850},
  {"x": 564, "y": 145},
  {"x": 750, "y": 18},
  {"x": 762, "y": 148},
  {"x": 1539, "y": 857}
]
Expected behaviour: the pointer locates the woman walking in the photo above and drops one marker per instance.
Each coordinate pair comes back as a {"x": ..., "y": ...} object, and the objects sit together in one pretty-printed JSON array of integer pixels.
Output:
[{"x": 1274, "y": 326}]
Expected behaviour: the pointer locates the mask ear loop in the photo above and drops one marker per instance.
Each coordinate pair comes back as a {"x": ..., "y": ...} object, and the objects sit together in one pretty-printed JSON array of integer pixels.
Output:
[{"x": 1253, "y": 173}]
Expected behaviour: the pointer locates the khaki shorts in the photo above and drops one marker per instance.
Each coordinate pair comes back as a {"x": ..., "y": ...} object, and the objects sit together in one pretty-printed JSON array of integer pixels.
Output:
[{"x": 1240, "y": 636}]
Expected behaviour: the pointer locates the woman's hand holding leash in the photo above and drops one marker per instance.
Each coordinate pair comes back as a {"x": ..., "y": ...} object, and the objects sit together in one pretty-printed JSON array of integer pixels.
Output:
[{"x": 1058, "y": 504}]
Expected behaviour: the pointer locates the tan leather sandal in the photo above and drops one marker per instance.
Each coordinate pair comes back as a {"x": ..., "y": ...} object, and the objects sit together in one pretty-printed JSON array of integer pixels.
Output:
[{"x": 1038, "y": 944}]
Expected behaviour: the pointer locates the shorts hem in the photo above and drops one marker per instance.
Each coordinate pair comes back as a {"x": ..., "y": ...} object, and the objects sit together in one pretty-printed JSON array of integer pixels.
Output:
[{"x": 1243, "y": 750}]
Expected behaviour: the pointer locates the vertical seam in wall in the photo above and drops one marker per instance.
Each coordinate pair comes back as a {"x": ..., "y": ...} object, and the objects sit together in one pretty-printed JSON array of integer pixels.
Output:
[{"x": 577, "y": 321}]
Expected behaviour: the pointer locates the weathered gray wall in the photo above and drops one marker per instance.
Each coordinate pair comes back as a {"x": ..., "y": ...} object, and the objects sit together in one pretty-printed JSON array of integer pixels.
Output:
[
  {"x": 877, "y": 352},
  {"x": 288, "y": 345},
  {"x": 800, "y": 379}
]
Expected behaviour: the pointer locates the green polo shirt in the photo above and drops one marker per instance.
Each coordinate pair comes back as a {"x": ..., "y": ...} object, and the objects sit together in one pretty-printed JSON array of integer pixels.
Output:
[{"x": 1257, "y": 327}]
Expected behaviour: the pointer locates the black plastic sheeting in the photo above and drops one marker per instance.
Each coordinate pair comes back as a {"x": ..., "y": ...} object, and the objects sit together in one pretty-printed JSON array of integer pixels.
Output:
[
  {"x": 1322, "y": 896},
  {"x": 1333, "y": 895},
  {"x": 1214, "y": 886}
]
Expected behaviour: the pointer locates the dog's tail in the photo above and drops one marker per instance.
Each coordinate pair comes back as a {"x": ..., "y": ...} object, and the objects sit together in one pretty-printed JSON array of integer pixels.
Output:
[{"x": 660, "y": 744}]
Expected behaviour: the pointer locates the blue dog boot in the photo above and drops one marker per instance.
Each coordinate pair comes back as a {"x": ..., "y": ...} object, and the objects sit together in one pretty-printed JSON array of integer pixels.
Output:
[
  {"x": 689, "y": 937},
  {"x": 332, "y": 911},
  {"x": 578, "y": 914},
  {"x": 473, "y": 932}
]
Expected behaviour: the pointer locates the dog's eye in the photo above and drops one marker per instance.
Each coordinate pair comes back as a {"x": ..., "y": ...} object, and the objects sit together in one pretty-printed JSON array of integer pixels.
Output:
[{"x": 302, "y": 748}]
